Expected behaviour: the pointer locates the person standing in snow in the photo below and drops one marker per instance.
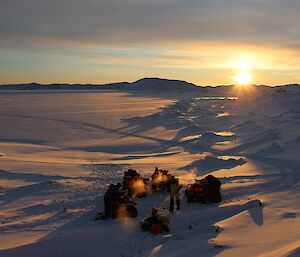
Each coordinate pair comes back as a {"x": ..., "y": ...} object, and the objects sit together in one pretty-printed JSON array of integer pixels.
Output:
[
  {"x": 174, "y": 193},
  {"x": 112, "y": 191}
]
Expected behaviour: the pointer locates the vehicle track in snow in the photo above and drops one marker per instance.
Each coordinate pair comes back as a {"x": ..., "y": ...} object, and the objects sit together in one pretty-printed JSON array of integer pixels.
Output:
[{"x": 288, "y": 170}]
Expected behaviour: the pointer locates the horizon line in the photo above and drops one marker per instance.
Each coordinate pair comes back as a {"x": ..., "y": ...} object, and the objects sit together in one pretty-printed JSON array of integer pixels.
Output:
[{"x": 149, "y": 78}]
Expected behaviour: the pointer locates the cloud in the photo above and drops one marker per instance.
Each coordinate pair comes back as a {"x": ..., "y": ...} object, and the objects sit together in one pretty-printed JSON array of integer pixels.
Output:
[
  {"x": 134, "y": 22},
  {"x": 110, "y": 40}
]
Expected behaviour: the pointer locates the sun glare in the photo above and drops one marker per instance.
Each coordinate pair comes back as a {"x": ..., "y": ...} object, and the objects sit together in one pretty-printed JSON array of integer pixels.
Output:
[
  {"x": 243, "y": 77},
  {"x": 243, "y": 67}
]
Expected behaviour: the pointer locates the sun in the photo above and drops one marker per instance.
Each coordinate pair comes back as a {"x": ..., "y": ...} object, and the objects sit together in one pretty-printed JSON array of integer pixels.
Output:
[{"x": 243, "y": 77}]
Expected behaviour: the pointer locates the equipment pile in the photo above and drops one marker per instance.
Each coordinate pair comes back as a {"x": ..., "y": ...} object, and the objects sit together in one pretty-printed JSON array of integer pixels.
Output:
[
  {"x": 118, "y": 203},
  {"x": 205, "y": 191}
]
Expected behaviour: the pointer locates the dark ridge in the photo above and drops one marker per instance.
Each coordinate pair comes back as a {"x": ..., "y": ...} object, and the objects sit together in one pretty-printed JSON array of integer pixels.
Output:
[{"x": 144, "y": 84}]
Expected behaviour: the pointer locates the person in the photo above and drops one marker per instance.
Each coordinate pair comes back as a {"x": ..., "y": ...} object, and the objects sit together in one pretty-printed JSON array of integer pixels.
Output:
[
  {"x": 212, "y": 189},
  {"x": 154, "y": 180},
  {"x": 174, "y": 193},
  {"x": 112, "y": 191},
  {"x": 156, "y": 223}
]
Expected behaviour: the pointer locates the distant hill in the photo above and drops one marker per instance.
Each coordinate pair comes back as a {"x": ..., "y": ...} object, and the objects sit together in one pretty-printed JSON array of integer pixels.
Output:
[
  {"x": 36, "y": 86},
  {"x": 145, "y": 84},
  {"x": 153, "y": 85},
  {"x": 163, "y": 84}
]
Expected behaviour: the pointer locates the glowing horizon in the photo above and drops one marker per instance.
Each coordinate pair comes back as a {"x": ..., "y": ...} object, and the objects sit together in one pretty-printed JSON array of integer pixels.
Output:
[{"x": 112, "y": 41}]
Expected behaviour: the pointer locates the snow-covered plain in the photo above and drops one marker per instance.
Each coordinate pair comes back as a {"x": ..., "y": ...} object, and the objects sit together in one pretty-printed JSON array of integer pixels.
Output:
[{"x": 59, "y": 150}]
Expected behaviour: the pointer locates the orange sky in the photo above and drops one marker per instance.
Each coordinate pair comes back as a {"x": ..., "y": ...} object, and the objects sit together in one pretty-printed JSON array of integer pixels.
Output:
[{"x": 204, "y": 42}]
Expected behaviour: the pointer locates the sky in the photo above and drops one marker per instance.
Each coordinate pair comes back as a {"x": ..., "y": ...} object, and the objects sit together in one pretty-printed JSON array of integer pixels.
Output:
[{"x": 206, "y": 42}]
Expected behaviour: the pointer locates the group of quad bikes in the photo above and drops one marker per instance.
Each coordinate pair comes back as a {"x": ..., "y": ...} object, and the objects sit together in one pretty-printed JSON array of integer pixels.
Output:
[
  {"x": 135, "y": 185},
  {"x": 204, "y": 191}
]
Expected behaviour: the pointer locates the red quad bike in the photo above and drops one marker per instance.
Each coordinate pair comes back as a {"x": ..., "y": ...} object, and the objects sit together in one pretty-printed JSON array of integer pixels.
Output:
[
  {"x": 155, "y": 224},
  {"x": 161, "y": 180},
  {"x": 134, "y": 184},
  {"x": 205, "y": 191}
]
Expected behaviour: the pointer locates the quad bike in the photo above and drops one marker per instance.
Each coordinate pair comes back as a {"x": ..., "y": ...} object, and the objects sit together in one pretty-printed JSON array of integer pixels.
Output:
[
  {"x": 161, "y": 180},
  {"x": 154, "y": 225},
  {"x": 206, "y": 190},
  {"x": 117, "y": 204},
  {"x": 123, "y": 206},
  {"x": 194, "y": 192},
  {"x": 134, "y": 184}
]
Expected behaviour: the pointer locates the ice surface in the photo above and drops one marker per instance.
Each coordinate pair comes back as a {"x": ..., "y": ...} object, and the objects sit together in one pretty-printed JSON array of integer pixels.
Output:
[{"x": 59, "y": 151}]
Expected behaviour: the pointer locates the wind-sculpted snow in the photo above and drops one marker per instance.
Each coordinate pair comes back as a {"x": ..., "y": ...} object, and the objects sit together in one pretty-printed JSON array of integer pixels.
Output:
[
  {"x": 210, "y": 164},
  {"x": 60, "y": 152},
  {"x": 272, "y": 149}
]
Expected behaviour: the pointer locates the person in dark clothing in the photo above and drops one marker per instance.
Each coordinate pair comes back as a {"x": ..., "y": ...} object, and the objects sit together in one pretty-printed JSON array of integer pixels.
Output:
[
  {"x": 154, "y": 180},
  {"x": 112, "y": 191},
  {"x": 212, "y": 189},
  {"x": 174, "y": 193}
]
